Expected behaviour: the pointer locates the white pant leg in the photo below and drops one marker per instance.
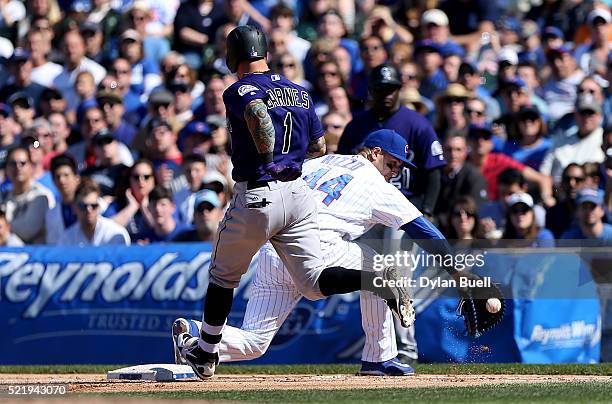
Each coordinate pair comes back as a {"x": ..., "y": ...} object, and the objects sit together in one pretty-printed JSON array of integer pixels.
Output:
[
  {"x": 273, "y": 297},
  {"x": 376, "y": 318}
]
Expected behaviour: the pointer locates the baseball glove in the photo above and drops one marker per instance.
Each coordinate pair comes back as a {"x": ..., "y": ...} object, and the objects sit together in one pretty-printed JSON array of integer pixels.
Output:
[{"x": 473, "y": 308}]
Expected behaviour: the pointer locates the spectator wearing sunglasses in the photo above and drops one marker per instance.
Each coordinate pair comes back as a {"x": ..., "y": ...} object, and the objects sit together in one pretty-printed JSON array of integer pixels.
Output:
[
  {"x": 290, "y": 67},
  {"x": 28, "y": 201},
  {"x": 91, "y": 228},
  {"x": 130, "y": 207},
  {"x": 532, "y": 143},
  {"x": 491, "y": 164},
  {"x": 521, "y": 224},
  {"x": 579, "y": 146}
]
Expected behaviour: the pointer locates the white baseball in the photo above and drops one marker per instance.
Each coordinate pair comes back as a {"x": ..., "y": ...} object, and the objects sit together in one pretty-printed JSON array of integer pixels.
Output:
[{"x": 493, "y": 305}]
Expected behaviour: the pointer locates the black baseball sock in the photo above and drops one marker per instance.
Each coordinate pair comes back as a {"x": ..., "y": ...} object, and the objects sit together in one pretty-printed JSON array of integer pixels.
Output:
[
  {"x": 217, "y": 306},
  {"x": 338, "y": 280}
]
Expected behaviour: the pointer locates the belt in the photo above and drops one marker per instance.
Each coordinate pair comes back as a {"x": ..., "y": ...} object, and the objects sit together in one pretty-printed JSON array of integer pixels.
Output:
[{"x": 252, "y": 184}]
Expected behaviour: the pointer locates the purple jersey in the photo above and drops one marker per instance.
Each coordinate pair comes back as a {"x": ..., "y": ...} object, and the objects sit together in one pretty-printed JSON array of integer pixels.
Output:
[
  {"x": 292, "y": 112},
  {"x": 425, "y": 148}
]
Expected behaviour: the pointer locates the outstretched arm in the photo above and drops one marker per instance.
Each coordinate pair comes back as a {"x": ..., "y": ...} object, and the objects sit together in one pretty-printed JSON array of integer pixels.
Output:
[{"x": 261, "y": 127}]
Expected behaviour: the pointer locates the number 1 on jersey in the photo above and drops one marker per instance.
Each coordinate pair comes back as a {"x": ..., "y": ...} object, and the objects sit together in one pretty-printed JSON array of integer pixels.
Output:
[{"x": 288, "y": 124}]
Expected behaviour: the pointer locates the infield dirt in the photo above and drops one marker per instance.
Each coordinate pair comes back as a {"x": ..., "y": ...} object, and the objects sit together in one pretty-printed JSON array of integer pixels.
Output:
[{"x": 97, "y": 383}]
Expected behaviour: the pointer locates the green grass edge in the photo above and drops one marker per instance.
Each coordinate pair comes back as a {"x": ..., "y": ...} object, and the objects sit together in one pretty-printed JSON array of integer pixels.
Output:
[{"x": 603, "y": 369}]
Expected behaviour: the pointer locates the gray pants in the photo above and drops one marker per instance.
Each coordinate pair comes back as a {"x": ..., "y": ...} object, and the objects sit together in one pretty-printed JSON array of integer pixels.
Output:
[{"x": 288, "y": 220}]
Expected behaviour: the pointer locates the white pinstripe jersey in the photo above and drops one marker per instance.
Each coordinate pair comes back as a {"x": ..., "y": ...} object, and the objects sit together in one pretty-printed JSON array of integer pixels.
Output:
[{"x": 353, "y": 196}]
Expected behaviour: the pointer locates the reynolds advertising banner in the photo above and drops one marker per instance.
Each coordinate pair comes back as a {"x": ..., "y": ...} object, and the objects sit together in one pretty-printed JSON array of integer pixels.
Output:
[{"x": 115, "y": 305}]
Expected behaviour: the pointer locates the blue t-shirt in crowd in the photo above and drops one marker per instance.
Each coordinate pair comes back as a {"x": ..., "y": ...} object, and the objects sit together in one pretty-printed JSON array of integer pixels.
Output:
[
  {"x": 575, "y": 233},
  {"x": 293, "y": 115},
  {"x": 432, "y": 86},
  {"x": 531, "y": 156}
]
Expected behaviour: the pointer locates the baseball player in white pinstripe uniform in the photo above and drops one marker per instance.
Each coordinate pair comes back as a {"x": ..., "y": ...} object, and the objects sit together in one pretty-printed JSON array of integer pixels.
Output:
[{"x": 354, "y": 194}]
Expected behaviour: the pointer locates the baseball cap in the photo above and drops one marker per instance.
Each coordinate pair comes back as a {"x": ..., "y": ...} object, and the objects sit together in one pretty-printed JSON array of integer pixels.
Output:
[
  {"x": 434, "y": 16},
  {"x": 452, "y": 49},
  {"x": 215, "y": 181},
  {"x": 131, "y": 34},
  {"x": 51, "y": 94},
  {"x": 161, "y": 96},
  {"x": 480, "y": 131},
  {"x": 216, "y": 120},
  {"x": 589, "y": 195},
  {"x": 553, "y": 53},
  {"x": 22, "y": 99},
  {"x": 513, "y": 82},
  {"x": 427, "y": 45},
  {"x": 520, "y": 197},
  {"x": 158, "y": 123},
  {"x": 385, "y": 75},
  {"x": 179, "y": 86},
  {"x": 195, "y": 128},
  {"x": 206, "y": 196},
  {"x": 587, "y": 102},
  {"x": 510, "y": 24},
  {"x": 19, "y": 55},
  {"x": 553, "y": 32},
  {"x": 89, "y": 26},
  {"x": 599, "y": 13},
  {"x": 109, "y": 96},
  {"x": 529, "y": 112},
  {"x": 507, "y": 55},
  {"x": 5, "y": 109},
  {"x": 391, "y": 142},
  {"x": 103, "y": 136}
]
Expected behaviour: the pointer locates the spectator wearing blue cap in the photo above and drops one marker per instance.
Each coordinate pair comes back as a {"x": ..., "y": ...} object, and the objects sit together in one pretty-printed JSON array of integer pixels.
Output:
[
  {"x": 590, "y": 212},
  {"x": 428, "y": 55},
  {"x": 207, "y": 215},
  {"x": 509, "y": 29},
  {"x": 553, "y": 38},
  {"x": 20, "y": 80},
  {"x": 452, "y": 55},
  {"x": 195, "y": 138},
  {"x": 560, "y": 91},
  {"x": 532, "y": 49}
]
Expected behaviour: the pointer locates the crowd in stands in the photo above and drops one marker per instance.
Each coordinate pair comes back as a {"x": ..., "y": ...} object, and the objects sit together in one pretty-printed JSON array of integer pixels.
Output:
[{"x": 113, "y": 126}]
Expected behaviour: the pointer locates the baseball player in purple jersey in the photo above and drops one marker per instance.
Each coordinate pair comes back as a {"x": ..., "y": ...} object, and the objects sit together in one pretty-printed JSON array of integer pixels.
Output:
[
  {"x": 421, "y": 185},
  {"x": 273, "y": 128}
]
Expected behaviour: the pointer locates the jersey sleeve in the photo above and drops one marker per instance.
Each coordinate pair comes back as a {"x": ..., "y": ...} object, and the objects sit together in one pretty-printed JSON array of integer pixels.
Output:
[
  {"x": 316, "y": 129},
  {"x": 238, "y": 96},
  {"x": 389, "y": 206},
  {"x": 428, "y": 153}
]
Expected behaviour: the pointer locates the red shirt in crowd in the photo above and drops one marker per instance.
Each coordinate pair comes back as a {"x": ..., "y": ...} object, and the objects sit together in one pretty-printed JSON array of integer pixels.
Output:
[{"x": 494, "y": 165}]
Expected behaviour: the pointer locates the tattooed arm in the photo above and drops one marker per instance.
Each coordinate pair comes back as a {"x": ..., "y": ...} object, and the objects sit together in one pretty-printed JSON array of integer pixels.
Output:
[
  {"x": 261, "y": 127},
  {"x": 316, "y": 148}
]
